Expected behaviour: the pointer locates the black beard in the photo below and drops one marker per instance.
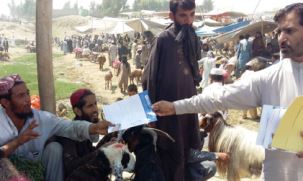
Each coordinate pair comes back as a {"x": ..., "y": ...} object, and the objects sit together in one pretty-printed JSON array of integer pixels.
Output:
[
  {"x": 24, "y": 115},
  {"x": 86, "y": 118},
  {"x": 178, "y": 26}
]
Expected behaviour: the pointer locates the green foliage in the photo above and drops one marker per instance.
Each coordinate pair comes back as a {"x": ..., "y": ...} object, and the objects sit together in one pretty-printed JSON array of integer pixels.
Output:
[
  {"x": 32, "y": 169},
  {"x": 155, "y": 5},
  {"x": 110, "y": 8},
  {"x": 26, "y": 67},
  {"x": 67, "y": 5},
  {"x": 207, "y": 6},
  {"x": 26, "y": 9}
]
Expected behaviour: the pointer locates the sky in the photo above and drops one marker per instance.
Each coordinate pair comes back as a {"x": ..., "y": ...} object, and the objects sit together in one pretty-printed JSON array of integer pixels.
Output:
[{"x": 245, "y": 6}]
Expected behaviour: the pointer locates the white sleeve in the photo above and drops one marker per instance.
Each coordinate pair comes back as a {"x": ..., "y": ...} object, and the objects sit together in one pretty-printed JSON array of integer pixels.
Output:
[
  {"x": 243, "y": 94},
  {"x": 75, "y": 130}
]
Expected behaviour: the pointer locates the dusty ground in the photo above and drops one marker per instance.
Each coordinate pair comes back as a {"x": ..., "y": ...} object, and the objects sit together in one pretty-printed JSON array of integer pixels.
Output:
[{"x": 87, "y": 72}]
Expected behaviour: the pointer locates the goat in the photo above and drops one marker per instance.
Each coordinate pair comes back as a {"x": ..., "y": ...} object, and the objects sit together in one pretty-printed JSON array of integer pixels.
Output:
[
  {"x": 246, "y": 157},
  {"x": 142, "y": 141},
  {"x": 106, "y": 160},
  {"x": 108, "y": 80},
  {"x": 101, "y": 59},
  {"x": 137, "y": 73}
]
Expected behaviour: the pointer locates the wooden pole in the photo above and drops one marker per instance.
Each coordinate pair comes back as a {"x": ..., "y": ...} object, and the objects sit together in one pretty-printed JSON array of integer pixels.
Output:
[{"x": 44, "y": 55}]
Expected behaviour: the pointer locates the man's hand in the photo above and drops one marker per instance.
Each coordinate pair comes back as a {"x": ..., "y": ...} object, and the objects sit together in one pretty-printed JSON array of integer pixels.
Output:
[
  {"x": 100, "y": 127},
  {"x": 223, "y": 156},
  {"x": 28, "y": 134},
  {"x": 164, "y": 108},
  {"x": 300, "y": 154}
]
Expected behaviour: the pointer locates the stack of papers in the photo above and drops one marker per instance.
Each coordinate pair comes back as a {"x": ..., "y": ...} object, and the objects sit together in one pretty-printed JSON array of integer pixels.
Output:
[{"x": 270, "y": 118}]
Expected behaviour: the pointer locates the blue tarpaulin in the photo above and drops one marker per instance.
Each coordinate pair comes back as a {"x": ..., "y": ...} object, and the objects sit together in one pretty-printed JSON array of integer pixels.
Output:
[{"x": 231, "y": 27}]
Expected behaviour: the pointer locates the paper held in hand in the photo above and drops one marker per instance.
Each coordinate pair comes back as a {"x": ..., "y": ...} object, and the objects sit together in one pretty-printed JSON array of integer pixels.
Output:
[
  {"x": 270, "y": 118},
  {"x": 287, "y": 135},
  {"x": 133, "y": 111}
]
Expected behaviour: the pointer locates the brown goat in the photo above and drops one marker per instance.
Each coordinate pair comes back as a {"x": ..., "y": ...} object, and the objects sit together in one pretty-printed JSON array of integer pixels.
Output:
[
  {"x": 137, "y": 73},
  {"x": 108, "y": 80},
  {"x": 101, "y": 59}
]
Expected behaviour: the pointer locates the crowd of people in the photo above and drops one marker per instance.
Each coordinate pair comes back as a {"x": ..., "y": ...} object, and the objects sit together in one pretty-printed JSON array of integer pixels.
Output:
[{"x": 175, "y": 64}]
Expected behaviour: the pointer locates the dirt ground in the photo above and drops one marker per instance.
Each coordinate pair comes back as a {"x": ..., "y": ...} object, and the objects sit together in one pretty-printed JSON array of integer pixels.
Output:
[{"x": 88, "y": 73}]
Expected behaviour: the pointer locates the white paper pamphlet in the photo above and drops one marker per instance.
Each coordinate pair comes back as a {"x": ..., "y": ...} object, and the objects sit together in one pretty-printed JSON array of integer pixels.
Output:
[{"x": 133, "y": 111}]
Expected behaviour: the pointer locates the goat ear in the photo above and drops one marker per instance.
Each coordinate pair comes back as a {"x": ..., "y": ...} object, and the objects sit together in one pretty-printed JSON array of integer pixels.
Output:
[{"x": 203, "y": 123}]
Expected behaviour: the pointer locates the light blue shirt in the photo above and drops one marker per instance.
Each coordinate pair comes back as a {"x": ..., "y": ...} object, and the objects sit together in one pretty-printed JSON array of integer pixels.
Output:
[{"x": 48, "y": 125}]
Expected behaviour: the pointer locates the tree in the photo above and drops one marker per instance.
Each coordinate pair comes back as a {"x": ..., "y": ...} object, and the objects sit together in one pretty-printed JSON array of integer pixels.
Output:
[
  {"x": 29, "y": 9},
  {"x": 207, "y": 6},
  {"x": 111, "y": 7},
  {"x": 26, "y": 9},
  {"x": 67, "y": 6},
  {"x": 155, "y": 5},
  {"x": 13, "y": 8}
]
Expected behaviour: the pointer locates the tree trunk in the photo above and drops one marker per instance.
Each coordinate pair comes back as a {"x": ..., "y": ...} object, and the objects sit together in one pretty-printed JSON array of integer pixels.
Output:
[{"x": 44, "y": 55}]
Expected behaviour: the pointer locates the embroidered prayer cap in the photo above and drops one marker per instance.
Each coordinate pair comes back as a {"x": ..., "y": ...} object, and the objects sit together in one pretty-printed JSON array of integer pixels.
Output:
[
  {"x": 77, "y": 96},
  {"x": 8, "y": 82}
]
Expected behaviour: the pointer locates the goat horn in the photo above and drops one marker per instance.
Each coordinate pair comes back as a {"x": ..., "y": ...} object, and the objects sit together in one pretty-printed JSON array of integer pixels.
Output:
[{"x": 162, "y": 133}]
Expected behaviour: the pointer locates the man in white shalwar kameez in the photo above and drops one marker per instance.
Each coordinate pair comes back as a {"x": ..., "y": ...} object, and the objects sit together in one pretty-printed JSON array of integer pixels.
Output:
[
  {"x": 208, "y": 64},
  {"x": 276, "y": 85}
]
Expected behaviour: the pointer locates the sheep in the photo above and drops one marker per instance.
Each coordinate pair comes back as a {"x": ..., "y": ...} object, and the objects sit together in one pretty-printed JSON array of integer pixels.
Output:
[
  {"x": 137, "y": 73},
  {"x": 111, "y": 159},
  {"x": 108, "y": 80},
  {"x": 101, "y": 59},
  {"x": 62, "y": 110},
  {"x": 246, "y": 157},
  {"x": 142, "y": 141}
]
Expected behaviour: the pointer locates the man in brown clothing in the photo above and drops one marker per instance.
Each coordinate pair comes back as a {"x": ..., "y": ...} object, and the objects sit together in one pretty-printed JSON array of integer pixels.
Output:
[{"x": 171, "y": 74}]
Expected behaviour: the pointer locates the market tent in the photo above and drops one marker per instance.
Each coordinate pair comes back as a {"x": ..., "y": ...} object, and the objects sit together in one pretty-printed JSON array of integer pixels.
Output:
[
  {"x": 231, "y": 27},
  {"x": 206, "y": 31},
  {"x": 137, "y": 25},
  {"x": 120, "y": 28},
  {"x": 218, "y": 13},
  {"x": 211, "y": 22},
  {"x": 100, "y": 25},
  {"x": 251, "y": 29}
]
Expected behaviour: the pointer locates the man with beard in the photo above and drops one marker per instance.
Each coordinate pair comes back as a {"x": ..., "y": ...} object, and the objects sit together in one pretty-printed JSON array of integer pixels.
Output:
[
  {"x": 77, "y": 153},
  {"x": 172, "y": 73},
  {"x": 277, "y": 85},
  {"x": 24, "y": 131}
]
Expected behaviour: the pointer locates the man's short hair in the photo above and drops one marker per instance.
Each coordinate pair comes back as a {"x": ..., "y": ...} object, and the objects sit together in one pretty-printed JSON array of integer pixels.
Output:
[
  {"x": 296, "y": 7},
  {"x": 132, "y": 88},
  {"x": 183, "y": 4}
]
